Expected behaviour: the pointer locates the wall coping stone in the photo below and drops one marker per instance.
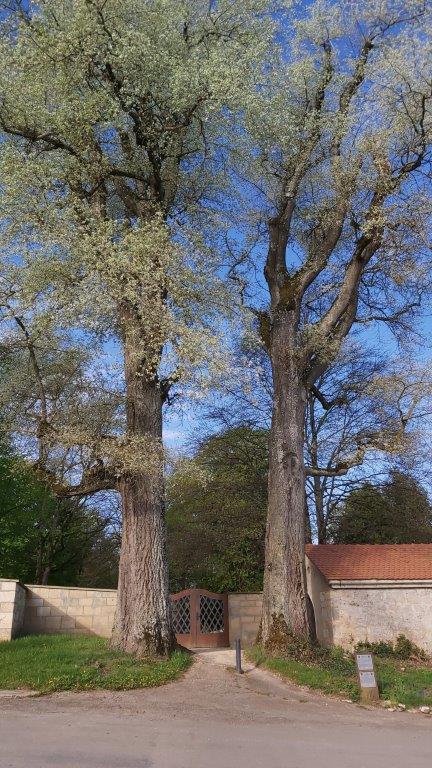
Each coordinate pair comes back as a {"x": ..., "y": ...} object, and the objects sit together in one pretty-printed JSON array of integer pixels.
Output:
[
  {"x": 381, "y": 584},
  {"x": 55, "y": 586}
]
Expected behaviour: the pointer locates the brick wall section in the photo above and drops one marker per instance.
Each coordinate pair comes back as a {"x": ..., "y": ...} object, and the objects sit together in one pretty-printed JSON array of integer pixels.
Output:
[
  {"x": 70, "y": 610},
  {"x": 382, "y": 614},
  {"x": 12, "y": 603},
  {"x": 244, "y": 617}
]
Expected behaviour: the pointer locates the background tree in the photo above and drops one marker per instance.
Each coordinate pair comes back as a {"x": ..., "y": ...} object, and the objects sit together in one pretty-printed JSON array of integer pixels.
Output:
[
  {"x": 338, "y": 171},
  {"x": 44, "y": 539},
  {"x": 111, "y": 116},
  {"x": 366, "y": 413},
  {"x": 216, "y": 513},
  {"x": 396, "y": 512}
]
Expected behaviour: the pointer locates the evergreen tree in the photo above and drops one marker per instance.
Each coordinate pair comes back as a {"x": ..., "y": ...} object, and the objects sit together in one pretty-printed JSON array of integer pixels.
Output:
[{"x": 398, "y": 512}]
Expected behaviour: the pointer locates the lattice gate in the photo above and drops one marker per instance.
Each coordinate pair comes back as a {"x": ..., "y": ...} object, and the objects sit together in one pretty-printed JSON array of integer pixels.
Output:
[{"x": 200, "y": 618}]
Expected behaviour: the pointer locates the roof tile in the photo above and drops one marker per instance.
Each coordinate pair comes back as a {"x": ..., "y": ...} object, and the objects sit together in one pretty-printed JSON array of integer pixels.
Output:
[{"x": 372, "y": 561}]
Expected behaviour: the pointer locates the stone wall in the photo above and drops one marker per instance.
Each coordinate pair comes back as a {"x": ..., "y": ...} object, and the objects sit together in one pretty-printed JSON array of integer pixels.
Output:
[
  {"x": 344, "y": 615},
  {"x": 382, "y": 613},
  {"x": 34, "y": 609},
  {"x": 71, "y": 610},
  {"x": 244, "y": 617},
  {"x": 12, "y": 604}
]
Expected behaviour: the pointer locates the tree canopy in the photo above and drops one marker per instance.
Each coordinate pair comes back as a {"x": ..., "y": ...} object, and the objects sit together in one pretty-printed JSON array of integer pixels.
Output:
[
  {"x": 46, "y": 540},
  {"x": 396, "y": 512},
  {"x": 217, "y": 504}
]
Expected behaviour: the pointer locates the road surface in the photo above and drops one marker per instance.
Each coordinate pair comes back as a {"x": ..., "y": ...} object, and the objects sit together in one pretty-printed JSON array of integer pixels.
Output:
[{"x": 212, "y": 718}]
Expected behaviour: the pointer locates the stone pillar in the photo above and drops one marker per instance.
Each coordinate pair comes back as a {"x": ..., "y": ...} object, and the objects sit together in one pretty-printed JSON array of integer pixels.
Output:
[{"x": 12, "y": 605}]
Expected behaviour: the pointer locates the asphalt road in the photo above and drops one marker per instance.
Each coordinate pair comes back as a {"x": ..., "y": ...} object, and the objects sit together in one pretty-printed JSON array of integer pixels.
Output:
[{"x": 211, "y": 719}]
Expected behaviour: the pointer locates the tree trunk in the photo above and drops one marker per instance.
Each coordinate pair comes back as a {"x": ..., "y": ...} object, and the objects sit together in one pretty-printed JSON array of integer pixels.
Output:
[
  {"x": 285, "y": 611},
  {"x": 143, "y": 624}
]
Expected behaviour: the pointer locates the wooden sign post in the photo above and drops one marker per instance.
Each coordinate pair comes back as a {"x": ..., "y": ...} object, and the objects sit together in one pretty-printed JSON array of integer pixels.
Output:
[{"x": 367, "y": 678}]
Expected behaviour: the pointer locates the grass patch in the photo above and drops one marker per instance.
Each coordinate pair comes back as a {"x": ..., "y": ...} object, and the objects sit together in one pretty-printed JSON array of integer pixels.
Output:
[
  {"x": 48, "y": 663},
  {"x": 336, "y": 675},
  {"x": 333, "y": 671}
]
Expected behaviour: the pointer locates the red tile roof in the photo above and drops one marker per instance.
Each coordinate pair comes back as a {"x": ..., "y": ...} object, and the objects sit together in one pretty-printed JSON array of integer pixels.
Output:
[{"x": 372, "y": 561}]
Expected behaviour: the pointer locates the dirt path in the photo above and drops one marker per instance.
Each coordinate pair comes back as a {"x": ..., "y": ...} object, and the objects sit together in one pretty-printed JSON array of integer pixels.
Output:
[{"x": 211, "y": 718}]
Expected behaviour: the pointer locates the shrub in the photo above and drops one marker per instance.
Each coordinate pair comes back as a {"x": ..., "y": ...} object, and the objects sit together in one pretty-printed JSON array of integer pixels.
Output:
[{"x": 403, "y": 649}]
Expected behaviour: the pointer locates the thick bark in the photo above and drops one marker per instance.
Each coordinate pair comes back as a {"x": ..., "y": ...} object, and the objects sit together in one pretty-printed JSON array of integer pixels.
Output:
[
  {"x": 143, "y": 624},
  {"x": 285, "y": 609}
]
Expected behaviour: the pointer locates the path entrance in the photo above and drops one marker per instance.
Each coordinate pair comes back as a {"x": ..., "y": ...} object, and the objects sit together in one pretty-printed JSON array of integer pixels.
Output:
[{"x": 200, "y": 618}]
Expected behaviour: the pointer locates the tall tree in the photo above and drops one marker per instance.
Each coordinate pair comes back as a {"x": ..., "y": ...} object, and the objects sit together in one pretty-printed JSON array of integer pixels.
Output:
[
  {"x": 111, "y": 116},
  {"x": 338, "y": 175}
]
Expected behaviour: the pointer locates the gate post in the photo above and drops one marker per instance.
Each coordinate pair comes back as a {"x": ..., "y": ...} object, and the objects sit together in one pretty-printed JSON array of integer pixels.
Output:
[{"x": 238, "y": 656}]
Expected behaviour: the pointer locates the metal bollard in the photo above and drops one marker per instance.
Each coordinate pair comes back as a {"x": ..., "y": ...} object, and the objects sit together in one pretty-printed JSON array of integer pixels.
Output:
[{"x": 238, "y": 657}]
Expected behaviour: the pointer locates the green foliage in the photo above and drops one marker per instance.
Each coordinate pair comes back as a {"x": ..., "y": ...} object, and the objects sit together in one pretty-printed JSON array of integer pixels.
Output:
[
  {"x": 328, "y": 670},
  {"x": 398, "y": 512},
  {"x": 402, "y": 648},
  {"x": 100, "y": 567},
  {"x": 409, "y": 684},
  {"x": 127, "y": 103},
  {"x": 216, "y": 513},
  {"x": 46, "y": 539},
  {"x": 22, "y": 503},
  {"x": 77, "y": 663}
]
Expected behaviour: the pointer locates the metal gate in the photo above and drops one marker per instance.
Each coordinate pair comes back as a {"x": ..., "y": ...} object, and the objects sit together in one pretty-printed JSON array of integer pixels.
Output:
[{"x": 200, "y": 618}]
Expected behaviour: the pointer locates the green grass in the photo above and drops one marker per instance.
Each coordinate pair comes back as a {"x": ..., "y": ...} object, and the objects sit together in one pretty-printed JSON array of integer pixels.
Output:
[
  {"x": 334, "y": 673},
  {"x": 48, "y": 663}
]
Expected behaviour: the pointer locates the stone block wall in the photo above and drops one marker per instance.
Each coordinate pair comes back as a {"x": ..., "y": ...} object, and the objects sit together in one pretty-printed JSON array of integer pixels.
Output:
[
  {"x": 12, "y": 605},
  {"x": 244, "y": 612},
  {"x": 70, "y": 610},
  {"x": 382, "y": 613},
  {"x": 344, "y": 614},
  {"x": 41, "y": 610}
]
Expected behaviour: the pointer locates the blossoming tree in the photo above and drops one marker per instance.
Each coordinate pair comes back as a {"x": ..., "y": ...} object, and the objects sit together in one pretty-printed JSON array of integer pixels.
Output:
[
  {"x": 339, "y": 178},
  {"x": 111, "y": 117}
]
